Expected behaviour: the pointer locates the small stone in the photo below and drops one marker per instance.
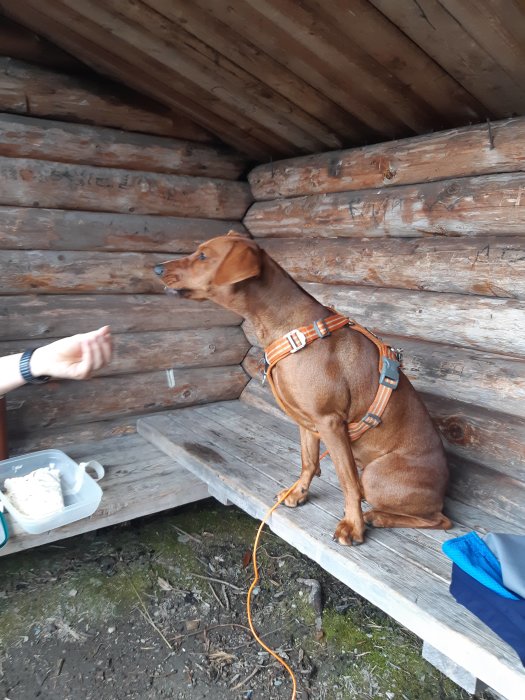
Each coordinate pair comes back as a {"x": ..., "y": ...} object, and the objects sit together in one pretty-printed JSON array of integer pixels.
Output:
[
  {"x": 72, "y": 593},
  {"x": 111, "y": 630}
]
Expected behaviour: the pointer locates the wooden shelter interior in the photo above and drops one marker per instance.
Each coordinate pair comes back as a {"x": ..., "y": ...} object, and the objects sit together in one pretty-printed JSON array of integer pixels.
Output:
[{"x": 376, "y": 149}]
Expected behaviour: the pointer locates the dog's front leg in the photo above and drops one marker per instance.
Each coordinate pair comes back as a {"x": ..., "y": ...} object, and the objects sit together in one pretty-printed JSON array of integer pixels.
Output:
[
  {"x": 334, "y": 433},
  {"x": 309, "y": 468}
]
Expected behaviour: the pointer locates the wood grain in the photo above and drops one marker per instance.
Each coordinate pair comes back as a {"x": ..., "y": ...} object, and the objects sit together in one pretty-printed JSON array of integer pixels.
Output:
[
  {"x": 481, "y": 265},
  {"x": 26, "y": 228},
  {"x": 52, "y": 316},
  {"x": 464, "y": 152},
  {"x": 39, "y": 183},
  {"x": 491, "y": 204},
  {"x": 43, "y": 139},
  {"x": 37, "y": 92}
]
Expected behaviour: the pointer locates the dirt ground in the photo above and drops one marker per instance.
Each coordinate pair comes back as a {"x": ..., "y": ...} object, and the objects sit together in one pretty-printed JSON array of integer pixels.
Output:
[{"x": 156, "y": 609}]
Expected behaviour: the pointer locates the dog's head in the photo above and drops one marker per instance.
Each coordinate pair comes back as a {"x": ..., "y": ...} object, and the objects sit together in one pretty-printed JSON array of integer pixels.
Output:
[{"x": 220, "y": 261}]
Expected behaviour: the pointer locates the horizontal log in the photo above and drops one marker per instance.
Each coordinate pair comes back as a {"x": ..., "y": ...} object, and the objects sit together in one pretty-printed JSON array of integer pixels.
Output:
[
  {"x": 469, "y": 433},
  {"x": 500, "y": 495},
  {"x": 488, "y": 266},
  {"x": 495, "y": 440},
  {"x": 39, "y": 183},
  {"x": 37, "y": 92},
  {"x": 65, "y": 403},
  {"x": 490, "y": 204},
  {"x": 51, "y": 316},
  {"x": 25, "y": 228},
  {"x": 492, "y": 382},
  {"x": 162, "y": 350},
  {"x": 62, "y": 272},
  {"x": 23, "y": 137},
  {"x": 488, "y": 324},
  {"x": 471, "y": 150}
]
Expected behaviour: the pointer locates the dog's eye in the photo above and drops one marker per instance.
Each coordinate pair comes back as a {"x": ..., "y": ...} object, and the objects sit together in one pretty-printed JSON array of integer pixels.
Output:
[{"x": 202, "y": 256}]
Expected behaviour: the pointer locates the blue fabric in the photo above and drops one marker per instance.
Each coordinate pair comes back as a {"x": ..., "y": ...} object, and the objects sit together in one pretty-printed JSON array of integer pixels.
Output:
[
  {"x": 504, "y": 616},
  {"x": 509, "y": 550},
  {"x": 470, "y": 553}
]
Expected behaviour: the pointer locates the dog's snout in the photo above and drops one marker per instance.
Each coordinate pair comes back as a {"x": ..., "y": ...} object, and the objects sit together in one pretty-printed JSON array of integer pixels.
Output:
[{"x": 159, "y": 270}]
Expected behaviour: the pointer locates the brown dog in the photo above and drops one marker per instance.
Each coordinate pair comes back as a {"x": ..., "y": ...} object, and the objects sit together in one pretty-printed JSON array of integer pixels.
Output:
[{"x": 324, "y": 387}]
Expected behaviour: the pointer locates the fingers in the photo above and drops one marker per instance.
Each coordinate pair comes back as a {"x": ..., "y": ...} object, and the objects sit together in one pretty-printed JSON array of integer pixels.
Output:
[{"x": 96, "y": 348}]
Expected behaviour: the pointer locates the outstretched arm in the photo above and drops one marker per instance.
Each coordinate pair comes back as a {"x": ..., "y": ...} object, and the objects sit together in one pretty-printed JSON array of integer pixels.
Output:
[{"x": 75, "y": 357}]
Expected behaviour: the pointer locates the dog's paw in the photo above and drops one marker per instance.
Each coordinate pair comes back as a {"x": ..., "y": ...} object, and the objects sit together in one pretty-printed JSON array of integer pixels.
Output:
[
  {"x": 349, "y": 533},
  {"x": 295, "y": 498}
]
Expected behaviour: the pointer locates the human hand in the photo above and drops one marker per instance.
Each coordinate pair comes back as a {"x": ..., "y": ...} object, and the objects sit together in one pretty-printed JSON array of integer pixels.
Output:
[{"x": 75, "y": 357}]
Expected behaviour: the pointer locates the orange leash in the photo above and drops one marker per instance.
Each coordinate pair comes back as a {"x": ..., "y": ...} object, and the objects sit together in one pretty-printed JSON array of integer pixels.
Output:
[{"x": 254, "y": 583}]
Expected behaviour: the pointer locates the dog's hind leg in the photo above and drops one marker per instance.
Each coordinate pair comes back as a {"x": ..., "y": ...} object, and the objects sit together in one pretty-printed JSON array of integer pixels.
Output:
[
  {"x": 309, "y": 468},
  {"x": 378, "y": 518}
]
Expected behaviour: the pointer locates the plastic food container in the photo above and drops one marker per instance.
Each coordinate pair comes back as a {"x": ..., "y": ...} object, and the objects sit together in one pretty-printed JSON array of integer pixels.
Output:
[{"x": 81, "y": 492}]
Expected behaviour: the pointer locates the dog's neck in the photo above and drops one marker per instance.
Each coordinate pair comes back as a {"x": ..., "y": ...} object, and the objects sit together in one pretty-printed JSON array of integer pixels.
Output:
[{"x": 273, "y": 302}]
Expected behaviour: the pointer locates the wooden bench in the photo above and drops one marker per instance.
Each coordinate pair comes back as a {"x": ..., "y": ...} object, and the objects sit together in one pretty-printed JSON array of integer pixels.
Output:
[
  {"x": 247, "y": 453},
  {"x": 139, "y": 480}
]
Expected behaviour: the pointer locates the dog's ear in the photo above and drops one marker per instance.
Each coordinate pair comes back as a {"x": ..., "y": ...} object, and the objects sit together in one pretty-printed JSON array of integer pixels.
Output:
[{"x": 242, "y": 261}]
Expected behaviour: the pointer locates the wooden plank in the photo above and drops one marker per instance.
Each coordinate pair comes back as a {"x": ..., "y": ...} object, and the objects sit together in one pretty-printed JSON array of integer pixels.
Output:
[
  {"x": 113, "y": 56},
  {"x": 162, "y": 350},
  {"x": 62, "y": 272},
  {"x": 68, "y": 403},
  {"x": 139, "y": 480},
  {"x": 39, "y": 183},
  {"x": 52, "y": 316},
  {"x": 479, "y": 323},
  {"x": 43, "y": 139},
  {"x": 20, "y": 43},
  {"x": 460, "y": 152},
  {"x": 483, "y": 379},
  {"x": 432, "y": 26},
  {"x": 418, "y": 598},
  {"x": 212, "y": 23},
  {"x": 247, "y": 92},
  {"x": 484, "y": 265},
  {"x": 491, "y": 204},
  {"x": 27, "y": 228},
  {"x": 31, "y": 90},
  {"x": 495, "y": 440}
]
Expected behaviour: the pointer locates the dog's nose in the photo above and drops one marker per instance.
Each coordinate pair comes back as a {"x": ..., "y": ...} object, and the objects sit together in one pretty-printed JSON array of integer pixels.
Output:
[{"x": 159, "y": 270}]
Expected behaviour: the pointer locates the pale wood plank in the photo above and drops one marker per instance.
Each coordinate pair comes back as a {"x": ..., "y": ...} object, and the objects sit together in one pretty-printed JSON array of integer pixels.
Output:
[
  {"x": 43, "y": 139},
  {"x": 54, "y": 316},
  {"x": 162, "y": 350},
  {"x": 140, "y": 480},
  {"x": 484, "y": 265},
  {"x": 419, "y": 600},
  {"x": 447, "y": 154},
  {"x": 25, "y": 228},
  {"x": 65, "y": 403},
  {"x": 485, "y": 205},
  {"x": 37, "y": 92},
  {"x": 39, "y": 183}
]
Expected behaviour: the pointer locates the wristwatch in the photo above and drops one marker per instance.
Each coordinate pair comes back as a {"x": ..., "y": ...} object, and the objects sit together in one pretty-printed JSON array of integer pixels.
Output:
[{"x": 25, "y": 369}]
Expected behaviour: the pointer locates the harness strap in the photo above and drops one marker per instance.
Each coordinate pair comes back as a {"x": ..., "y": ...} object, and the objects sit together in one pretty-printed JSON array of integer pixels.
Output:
[{"x": 299, "y": 338}]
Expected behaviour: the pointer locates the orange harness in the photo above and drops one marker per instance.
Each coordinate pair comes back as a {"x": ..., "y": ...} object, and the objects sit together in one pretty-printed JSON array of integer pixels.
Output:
[{"x": 299, "y": 338}]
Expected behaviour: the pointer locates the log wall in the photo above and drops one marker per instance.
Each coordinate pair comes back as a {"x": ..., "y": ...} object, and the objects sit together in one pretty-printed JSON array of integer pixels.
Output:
[
  {"x": 423, "y": 242},
  {"x": 86, "y": 211}
]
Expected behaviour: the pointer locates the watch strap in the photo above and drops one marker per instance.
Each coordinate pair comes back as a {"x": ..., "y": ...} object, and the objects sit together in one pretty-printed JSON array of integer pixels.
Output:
[{"x": 25, "y": 369}]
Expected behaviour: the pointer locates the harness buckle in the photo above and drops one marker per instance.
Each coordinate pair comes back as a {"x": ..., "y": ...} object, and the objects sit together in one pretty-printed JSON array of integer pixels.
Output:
[
  {"x": 389, "y": 376},
  {"x": 297, "y": 340},
  {"x": 371, "y": 420},
  {"x": 324, "y": 331},
  {"x": 266, "y": 368}
]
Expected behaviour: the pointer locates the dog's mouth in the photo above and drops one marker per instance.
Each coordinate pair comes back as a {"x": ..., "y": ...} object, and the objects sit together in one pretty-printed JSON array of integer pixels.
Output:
[{"x": 184, "y": 293}]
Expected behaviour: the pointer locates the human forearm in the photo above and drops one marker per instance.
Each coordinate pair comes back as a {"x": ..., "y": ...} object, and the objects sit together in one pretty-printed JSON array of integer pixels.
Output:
[{"x": 10, "y": 376}]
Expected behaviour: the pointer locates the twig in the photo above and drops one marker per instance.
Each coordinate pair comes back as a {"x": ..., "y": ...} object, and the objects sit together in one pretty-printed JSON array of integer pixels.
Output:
[
  {"x": 225, "y": 596},
  {"x": 218, "y": 580},
  {"x": 187, "y": 534},
  {"x": 144, "y": 612},
  {"x": 216, "y": 596},
  {"x": 248, "y": 678},
  {"x": 208, "y": 629}
]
